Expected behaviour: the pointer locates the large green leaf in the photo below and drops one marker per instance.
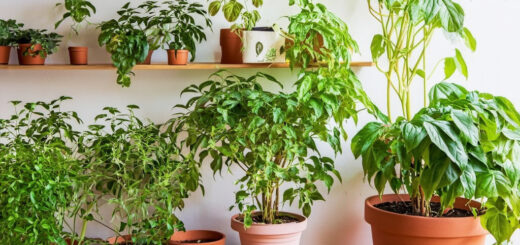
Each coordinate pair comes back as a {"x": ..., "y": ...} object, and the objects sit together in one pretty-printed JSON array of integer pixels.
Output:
[
  {"x": 468, "y": 130},
  {"x": 365, "y": 138}
]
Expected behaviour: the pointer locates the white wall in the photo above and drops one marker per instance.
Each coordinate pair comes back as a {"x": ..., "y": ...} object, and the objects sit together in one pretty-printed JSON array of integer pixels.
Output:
[{"x": 493, "y": 68}]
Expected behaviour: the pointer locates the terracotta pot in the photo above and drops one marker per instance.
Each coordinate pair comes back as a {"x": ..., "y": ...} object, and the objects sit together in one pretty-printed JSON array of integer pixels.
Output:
[
  {"x": 180, "y": 237},
  {"x": 148, "y": 59},
  {"x": 78, "y": 55},
  {"x": 5, "y": 52},
  {"x": 29, "y": 59},
  {"x": 397, "y": 229},
  {"x": 120, "y": 239},
  {"x": 263, "y": 234},
  {"x": 231, "y": 45},
  {"x": 181, "y": 58}
]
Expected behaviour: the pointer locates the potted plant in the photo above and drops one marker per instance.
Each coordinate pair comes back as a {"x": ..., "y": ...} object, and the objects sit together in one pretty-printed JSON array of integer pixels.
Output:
[
  {"x": 8, "y": 30},
  {"x": 127, "y": 44},
  {"x": 78, "y": 11},
  {"x": 34, "y": 45},
  {"x": 142, "y": 174},
  {"x": 272, "y": 136},
  {"x": 40, "y": 173},
  {"x": 231, "y": 38},
  {"x": 460, "y": 147}
]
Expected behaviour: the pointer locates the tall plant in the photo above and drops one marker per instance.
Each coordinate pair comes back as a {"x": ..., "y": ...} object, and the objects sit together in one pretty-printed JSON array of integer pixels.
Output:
[
  {"x": 39, "y": 173},
  {"x": 141, "y": 172},
  {"x": 272, "y": 136},
  {"x": 460, "y": 144}
]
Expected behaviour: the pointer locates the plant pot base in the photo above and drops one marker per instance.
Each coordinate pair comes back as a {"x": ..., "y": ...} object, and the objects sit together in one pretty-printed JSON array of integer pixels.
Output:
[
  {"x": 178, "y": 57},
  {"x": 29, "y": 59},
  {"x": 5, "y": 52}
]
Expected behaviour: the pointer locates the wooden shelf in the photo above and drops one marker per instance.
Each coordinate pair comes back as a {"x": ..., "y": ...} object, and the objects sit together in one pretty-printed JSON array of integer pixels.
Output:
[{"x": 191, "y": 66}]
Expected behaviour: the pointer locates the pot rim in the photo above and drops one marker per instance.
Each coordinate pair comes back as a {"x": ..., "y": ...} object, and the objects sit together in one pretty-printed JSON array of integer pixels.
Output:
[
  {"x": 222, "y": 236},
  {"x": 78, "y": 47},
  {"x": 271, "y": 229},
  {"x": 402, "y": 224},
  {"x": 178, "y": 50}
]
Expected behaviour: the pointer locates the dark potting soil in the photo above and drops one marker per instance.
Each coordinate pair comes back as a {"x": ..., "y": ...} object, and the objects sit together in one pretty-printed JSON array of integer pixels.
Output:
[
  {"x": 281, "y": 219},
  {"x": 406, "y": 208}
]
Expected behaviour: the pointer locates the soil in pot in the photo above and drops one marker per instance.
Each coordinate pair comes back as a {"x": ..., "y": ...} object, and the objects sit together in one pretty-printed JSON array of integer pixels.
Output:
[
  {"x": 148, "y": 59},
  {"x": 407, "y": 208},
  {"x": 398, "y": 228},
  {"x": 78, "y": 55},
  {"x": 178, "y": 57},
  {"x": 266, "y": 234},
  {"x": 193, "y": 237},
  {"x": 5, "y": 52},
  {"x": 29, "y": 59},
  {"x": 231, "y": 46}
]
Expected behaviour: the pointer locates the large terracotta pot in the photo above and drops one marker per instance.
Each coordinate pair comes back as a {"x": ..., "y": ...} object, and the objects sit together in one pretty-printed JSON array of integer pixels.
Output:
[
  {"x": 5, "y": 52},
  {"x": 29, "y": 59},
  {"x": 78, "y": 55},
  {"x": 397, "y": 229},
  {"x": 148, "y": 59},
  {"x": 178, "y": 57},
  {"x": 231, "y": 45},
  {"x": 212, "y": 238},
  {"x": 263, "y": 234}
]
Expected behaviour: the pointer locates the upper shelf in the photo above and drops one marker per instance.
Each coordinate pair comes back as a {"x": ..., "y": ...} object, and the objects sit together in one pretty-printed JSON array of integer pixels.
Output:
[{"x": 191, "y": 66}]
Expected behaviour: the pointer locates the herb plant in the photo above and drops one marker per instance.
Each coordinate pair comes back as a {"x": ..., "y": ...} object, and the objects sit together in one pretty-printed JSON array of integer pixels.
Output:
[
  {"x": 272, "y": 136},
  {"x": 8, "y": 30},
  {"x": 460, "y": 144},
  {"x": 141, "y": 172},
  {"x": 127, "y": 43},
  {"x": 48, "y": 41},
  {"x": 77, "y": 10},
  {"x": 38, "y": 173},
  {"x": 173, "y": 25},
  {"x": 233, "y": 9}
]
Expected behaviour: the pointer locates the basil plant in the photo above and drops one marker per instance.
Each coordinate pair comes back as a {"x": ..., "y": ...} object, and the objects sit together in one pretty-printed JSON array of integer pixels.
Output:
[
  {"x": 40, "y": 176},
  {"x": 140, "y": 171},
  {"x": 461, "y": 144}
]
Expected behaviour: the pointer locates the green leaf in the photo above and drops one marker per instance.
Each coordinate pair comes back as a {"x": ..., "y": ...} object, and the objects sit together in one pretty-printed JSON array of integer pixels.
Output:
[
  {"x": 464, "y": 122},
  {"x": 470, "y": 41},
  {"x": 232, "y": 10},
  {"x": 454, "y": 150},
  {"x": 377, "y": 47},
  {"x": 449, "y": 67},
  {"x": 492, "y": 184},
  {"x": 461, "y": 63},
  {"x": 365, "y": 138},
  {"x": 214, "y": 7},
  {"x": 413, "y": 135}
]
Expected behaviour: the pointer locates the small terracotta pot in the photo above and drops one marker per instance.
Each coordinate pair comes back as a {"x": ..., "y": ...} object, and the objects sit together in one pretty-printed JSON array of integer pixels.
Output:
[
  {"x": 180, "y": 237},
  {"x": 390, "y": 228},
  {"x": 263, "y": 234},
  {"x": 177, "y": 58},
  {"x": 29, "y": 59},
  {"x": 5, "y": 52},
  {"x": 78, "y": 55},
  {"x": 231, "y": 45},
  {"x": 148, "y": 59},
  {"x": 120, "y": 239}
]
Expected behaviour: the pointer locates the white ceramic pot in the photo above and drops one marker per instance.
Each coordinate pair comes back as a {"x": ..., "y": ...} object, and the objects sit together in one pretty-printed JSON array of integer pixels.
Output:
[{"x": 263, "y": 45}]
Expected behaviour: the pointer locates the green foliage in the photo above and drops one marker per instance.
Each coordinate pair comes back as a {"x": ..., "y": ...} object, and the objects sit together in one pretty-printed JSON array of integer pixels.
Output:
[
  {"x": 48, "y": 41},
  {"x": 125, "y": 42},
  {"x": 462, "y": 144},
  {"x": 173, "y": 25},
  {"x": 8, "y": 30},
  {"x": 77, "y": 10},
  {"x": 407, "y": 29},
  {"x": 39, "y": 174},
  {"x": 233, "y": 9},
  {"x": 139, "y": 169}
]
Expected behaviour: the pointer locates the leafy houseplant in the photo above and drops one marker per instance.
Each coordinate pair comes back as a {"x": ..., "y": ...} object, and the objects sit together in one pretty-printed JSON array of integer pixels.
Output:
[
  {"x": 271, "y": 135},
  {"x": 233, "y": 9},
  {"x": 142, "y": 173},
  {"x": 8, "y": 30},
  {"x": 35, "y": 45},
  {"x": 460, "y": 144},
  {"x": 174, "y": 26},
  {"x": 127, "y": 43},
  {"x": 39, "y": 173},
  {"x": 78, "y": 11}
]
